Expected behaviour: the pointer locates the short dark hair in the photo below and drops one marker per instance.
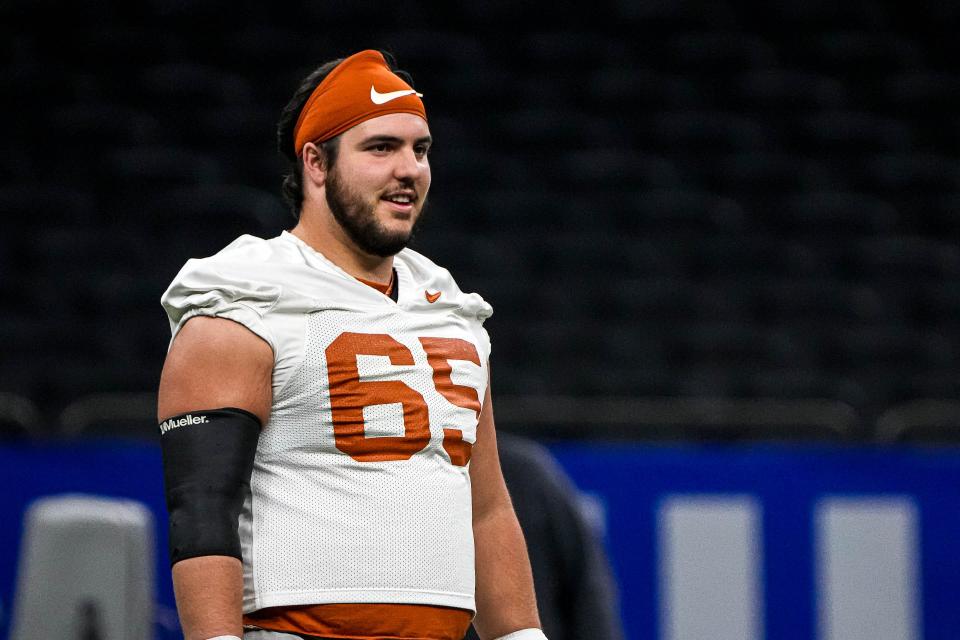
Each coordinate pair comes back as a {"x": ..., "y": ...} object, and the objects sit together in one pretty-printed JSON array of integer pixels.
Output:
[{"x": 292, "y": 187}]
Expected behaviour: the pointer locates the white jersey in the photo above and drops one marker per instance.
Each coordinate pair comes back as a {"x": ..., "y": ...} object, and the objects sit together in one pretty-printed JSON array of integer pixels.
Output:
[{"x": 360, "y": 490}]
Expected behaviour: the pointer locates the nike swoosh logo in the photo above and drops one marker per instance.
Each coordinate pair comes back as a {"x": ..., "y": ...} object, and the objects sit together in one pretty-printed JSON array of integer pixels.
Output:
[
  {"x": 432, "y": 297},
  {"x": 382, "y": 98}
]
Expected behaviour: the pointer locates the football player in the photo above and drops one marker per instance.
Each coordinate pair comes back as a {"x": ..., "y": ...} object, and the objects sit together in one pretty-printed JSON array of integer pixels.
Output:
[{"x": 330, "y": 457}]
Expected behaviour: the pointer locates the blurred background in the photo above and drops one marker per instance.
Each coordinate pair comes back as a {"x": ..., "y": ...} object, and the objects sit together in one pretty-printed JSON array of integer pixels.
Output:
[{"x": 720, "y": 240}]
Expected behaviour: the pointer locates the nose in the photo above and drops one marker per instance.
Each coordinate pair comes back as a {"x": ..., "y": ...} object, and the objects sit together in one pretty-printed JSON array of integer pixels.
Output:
[{"x": 408, "y": 166}]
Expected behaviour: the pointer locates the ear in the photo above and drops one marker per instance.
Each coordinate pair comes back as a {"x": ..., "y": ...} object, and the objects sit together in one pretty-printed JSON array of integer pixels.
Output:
[{"x": 314, "y": 164}]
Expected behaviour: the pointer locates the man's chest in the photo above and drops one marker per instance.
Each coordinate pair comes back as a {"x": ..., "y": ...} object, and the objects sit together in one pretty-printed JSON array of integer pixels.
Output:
[{"x": 385, "y": 386}]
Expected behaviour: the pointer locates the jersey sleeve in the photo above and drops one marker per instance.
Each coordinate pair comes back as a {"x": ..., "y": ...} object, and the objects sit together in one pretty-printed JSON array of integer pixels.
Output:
[
  {"x": 478, "y": 310},
  {"x": 483, "y": 340},
  {"x": 202, "y": 289}
]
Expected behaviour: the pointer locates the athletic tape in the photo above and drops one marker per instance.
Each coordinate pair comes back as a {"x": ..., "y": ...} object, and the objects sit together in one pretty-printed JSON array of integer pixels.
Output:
[{"x": 524, "y": 634}]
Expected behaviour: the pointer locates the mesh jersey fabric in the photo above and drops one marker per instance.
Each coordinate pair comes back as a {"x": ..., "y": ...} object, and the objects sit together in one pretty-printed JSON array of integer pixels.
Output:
[{"x": 359, "y": 492}]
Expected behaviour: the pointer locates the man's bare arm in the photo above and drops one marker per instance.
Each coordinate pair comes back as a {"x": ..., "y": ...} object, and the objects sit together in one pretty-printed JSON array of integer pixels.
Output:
[
  {"x": 214, "y": 363},
  {"x": 505, "y": 597}
]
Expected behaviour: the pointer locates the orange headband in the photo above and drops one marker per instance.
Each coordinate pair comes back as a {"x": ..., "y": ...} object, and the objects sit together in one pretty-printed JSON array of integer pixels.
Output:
[{"x": 358, "y": 89}]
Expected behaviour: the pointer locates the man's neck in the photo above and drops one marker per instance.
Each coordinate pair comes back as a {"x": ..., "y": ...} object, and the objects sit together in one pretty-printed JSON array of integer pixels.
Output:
[{"x": 330, "y": 240}]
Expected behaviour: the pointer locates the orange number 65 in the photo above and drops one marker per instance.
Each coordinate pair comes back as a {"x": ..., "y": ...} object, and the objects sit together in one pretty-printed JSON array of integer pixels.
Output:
[{"x": 349, "y": 395}]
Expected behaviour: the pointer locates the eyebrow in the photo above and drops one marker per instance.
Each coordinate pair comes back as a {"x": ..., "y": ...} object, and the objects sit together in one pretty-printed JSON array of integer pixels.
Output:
[{"x": 394, "y": 140}]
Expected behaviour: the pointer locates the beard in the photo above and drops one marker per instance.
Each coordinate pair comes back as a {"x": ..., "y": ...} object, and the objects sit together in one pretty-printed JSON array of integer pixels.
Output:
[{"x": 358, "y": 219}]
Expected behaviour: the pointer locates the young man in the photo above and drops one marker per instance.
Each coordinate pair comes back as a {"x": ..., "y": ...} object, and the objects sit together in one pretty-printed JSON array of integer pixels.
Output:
[{"x": 329, "y": 447}]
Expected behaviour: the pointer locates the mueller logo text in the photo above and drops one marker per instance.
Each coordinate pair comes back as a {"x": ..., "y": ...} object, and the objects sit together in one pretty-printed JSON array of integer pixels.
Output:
[{"x": 173, "y": 423}]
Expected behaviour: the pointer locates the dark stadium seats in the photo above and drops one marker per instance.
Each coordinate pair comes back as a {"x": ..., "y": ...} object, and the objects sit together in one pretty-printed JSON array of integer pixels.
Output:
[
  {"x": 260, "y": 45},
  {"x": 816, "y": 299},
  {"x": 190, "y": 84},
  {"x": 24, "y": 205},
  {"x": 532, "y": 128},
  {"x": 161, "y": 167},
  {"x": 660, "y": 298},
  {"x": 785, "y": 92},
  {"x": 19, "y": 418},
  {"x": 715, "y": 52},
  {"x": 131, "y": 416},
  {"x": 627, "y": 89},
  {"x": 665, "y": 199},
  {"x": 925, "y": 421},
  {"x": 705, "y": 418},
  {"x": 913, "y": 173},
  {"x": 820, "y": 213},
  {"x": 912, "y": 257},
  {"x": 593, "y": 255},
  {"x": 848, "y": 133},
  {"x": 759, "y": 173},
  {"x": 673, "y": 15},
  {"x": 708, "y": 131},
  {"x": 932, "y": 92},
  {"x": 680, "y": 211},
  {"x": 600, "y": 169},
  {"x": 217, "y": 208}
]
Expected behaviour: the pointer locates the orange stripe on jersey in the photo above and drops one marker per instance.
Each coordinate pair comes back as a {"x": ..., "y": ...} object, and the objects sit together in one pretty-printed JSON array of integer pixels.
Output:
[
  {"x": 366, "y": 621},
  {"x": 385, "y": 289}
]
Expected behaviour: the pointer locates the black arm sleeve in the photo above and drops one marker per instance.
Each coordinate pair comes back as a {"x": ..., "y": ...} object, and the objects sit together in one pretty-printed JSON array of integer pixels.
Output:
[{"x": 207, "y": 463}]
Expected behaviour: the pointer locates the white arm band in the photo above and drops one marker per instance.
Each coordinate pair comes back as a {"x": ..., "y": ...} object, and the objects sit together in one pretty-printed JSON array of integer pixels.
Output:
[
  {"x": 224, "y": 638},
  {"x": 524, "y": 634}
]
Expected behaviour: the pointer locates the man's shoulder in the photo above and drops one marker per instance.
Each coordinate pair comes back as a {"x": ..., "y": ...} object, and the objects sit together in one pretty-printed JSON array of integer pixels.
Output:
[
  {"x": 249, "y": 268},
  {"x": 248, "y": 249},
  {"x": 245, "y": 258},
  {"x": 437, "y": 282},
  {"x": 420, "y": 266},
  {"x": 422, "y": 273}
]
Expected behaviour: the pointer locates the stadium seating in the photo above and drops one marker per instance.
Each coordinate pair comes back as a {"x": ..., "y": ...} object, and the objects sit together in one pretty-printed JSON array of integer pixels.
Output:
[
  {"x": 19, "y": 417},
  {"x": 130, "y": 416},
  {"x": 669, "y": 199},
  {"x": 921, "y": 422}
]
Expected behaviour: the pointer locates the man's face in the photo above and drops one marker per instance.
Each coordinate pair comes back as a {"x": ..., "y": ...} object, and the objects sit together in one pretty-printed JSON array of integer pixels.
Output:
[{"x": 378, "y": 186}]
